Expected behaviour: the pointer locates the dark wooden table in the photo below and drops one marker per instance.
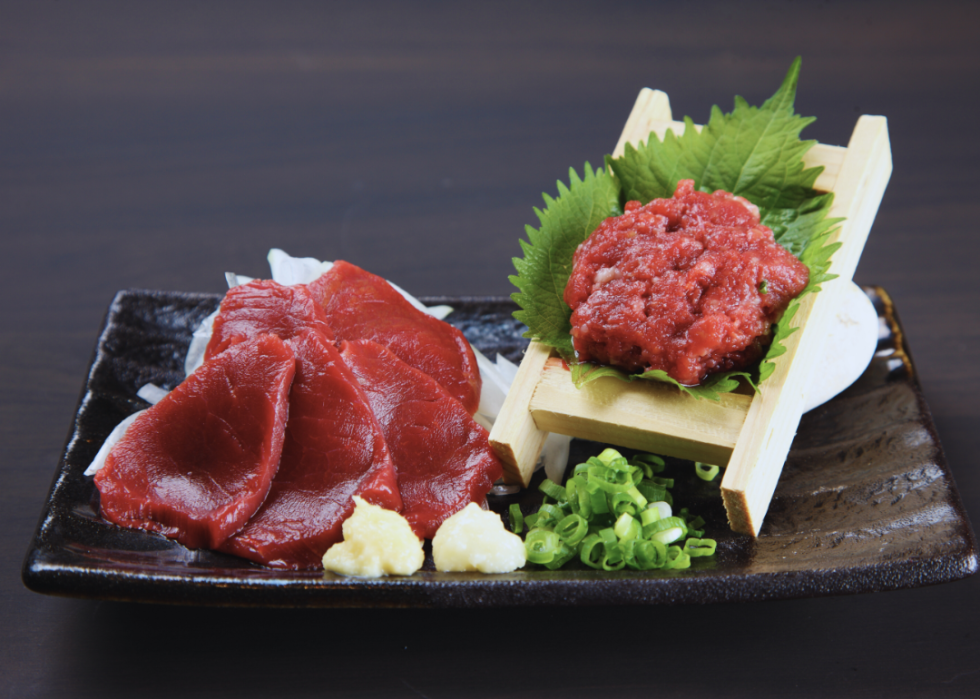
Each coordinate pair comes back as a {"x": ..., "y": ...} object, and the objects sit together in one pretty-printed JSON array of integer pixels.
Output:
[{"x": 157, "y": 147}]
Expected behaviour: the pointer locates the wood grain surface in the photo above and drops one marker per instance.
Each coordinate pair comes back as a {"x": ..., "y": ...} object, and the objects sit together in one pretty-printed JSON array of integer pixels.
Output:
[{"x": 160, "y": 145}]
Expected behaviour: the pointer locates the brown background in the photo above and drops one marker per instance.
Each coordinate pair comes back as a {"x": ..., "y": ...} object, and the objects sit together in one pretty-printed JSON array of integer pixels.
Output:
[{"x": 157, "y": 146}]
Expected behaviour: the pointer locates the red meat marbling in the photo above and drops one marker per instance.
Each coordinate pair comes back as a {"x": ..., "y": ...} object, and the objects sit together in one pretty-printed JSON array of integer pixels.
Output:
[
  {"x": 362, "y": 306},
  {"x": 333, "y": 450},
  {"x": 199, "y": 463},
  {"x": 264, "y": 306},
  {"x": 442, "y": 456}
]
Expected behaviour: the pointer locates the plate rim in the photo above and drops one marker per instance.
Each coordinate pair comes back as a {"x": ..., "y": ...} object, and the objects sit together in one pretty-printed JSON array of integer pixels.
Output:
[{"x": 314, "y": 589}]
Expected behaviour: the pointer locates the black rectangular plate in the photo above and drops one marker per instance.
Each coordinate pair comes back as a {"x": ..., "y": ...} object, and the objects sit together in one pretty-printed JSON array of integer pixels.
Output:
[{"x": 866, "y": 501}]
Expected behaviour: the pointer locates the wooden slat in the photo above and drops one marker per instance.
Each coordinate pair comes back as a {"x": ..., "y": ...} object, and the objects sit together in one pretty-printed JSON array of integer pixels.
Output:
[
  {"x": 774, "y": 415},
  {"x": 514, "y": 437},
  {"x": 751, "y": 434},
  {"x": 652, "y": 108},
  {"x": 641, "y": 415}
]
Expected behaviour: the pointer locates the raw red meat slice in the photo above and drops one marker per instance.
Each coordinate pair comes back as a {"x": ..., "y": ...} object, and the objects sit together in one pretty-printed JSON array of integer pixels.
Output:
[
  {"x": 199, "y": 463},
  {"x": 442, "y": 456},
  {"x": 264, "y": 306},
  {"x": 333, "y": 450},
  {"x": 362, "y": 306}
]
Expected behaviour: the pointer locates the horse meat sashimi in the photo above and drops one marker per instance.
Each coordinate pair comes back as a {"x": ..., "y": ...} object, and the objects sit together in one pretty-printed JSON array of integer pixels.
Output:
[
  {"x": 334, "y": 449},
  {"x": 442, "y": 456},
  {"x": 264, "y": 306},
  {"x": 362, "y": 306},
  {"x": 199, "y": 463}
]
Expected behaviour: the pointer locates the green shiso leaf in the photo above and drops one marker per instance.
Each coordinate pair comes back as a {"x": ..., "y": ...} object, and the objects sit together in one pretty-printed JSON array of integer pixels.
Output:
[
  {"x": 753, "y": 152},
  {"x": 543, "y": 272},
  {"x": 711, "y": 388}
]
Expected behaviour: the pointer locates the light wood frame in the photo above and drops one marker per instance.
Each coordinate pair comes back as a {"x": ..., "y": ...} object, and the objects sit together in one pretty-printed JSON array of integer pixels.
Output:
[{"x": 749, "y": 434}]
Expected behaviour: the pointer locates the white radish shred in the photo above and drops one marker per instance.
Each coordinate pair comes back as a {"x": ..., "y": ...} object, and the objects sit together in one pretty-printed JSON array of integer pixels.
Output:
[
  {"x": 152, "y": 394},
  {"x": 234, "y": 280},
  {"x": 199, "y": 344},
  {"x": 507, "y": 369},
  {"x": 117, "y": 433},
  {"x": 289, "y": 270},
  {"x": 555, "y": 456},
  {"x": 494, "y": 389}
]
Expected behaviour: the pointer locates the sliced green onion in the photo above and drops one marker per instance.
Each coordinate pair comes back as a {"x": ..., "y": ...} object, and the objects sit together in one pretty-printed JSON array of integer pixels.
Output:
[
  {"x": 638, "y": 497},
  {"x": 597, "y": 499},
  {"x": 613, "y": 559},
  {"x": 542, "y": 546},
  {"x": 650, "y": 468},
  {"x": 564, "y": 554},
  {"x": 516, "y": 519},
  {"x": 662, "y": 507},
  {"x": 653, "y": 493},
  {"x": 648, "y": 554},
  {"x": 609, "y": 455},
  {"x": 610, "y": 480},
  {"x": 649, "y": 516},
  {"x": 663, "y": 524},
  {"x": 695, "y": 527},
  {"x": 706, "y": 472},
  {"x": 666, "y": 530},
  {"x": 700, "y": 547},
  {"x": 572, "y": 529},
  {"x": 636, "y": 474},
  {"x": 592, "y": 551},
  {"x": 552, "y": 490},
  {"x": 612, "y": 513},
  {"x": 624, "y": 502},
  {"x": 549, "y": 515},
  {"x": 677, "y": 559},
  {"x": 627, "y": 527},
  {"x": 584, "y": 501},
  {"x": 649, "y": 458}
]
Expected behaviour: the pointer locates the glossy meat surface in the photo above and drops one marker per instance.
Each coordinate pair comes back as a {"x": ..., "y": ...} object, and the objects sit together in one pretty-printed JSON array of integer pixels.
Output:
[
  {"x": 442, "y": 456},
  {"x": 199, "y": 463},
  {"x": 264, "y": 306},
  {"x": 689, "y": 285},
  {"x": 362, "y": 306},
  {"x": 333, "y": 449}
]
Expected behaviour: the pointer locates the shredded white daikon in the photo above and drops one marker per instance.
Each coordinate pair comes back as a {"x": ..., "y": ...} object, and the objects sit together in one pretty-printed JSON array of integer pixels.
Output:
[
  {"x": 497, "y": 379},
  {"x": 152, "y": 394}
]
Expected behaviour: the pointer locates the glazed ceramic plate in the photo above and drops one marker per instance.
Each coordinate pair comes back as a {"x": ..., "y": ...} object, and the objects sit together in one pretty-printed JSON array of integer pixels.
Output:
[{"x": 866, "y": 501}]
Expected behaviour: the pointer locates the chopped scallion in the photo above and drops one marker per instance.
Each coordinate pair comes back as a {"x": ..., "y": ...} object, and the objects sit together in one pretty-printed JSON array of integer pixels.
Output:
[
  {"x": 516, "y": 519},
  {"x": 614, "y": 513},
  {"x": 706, "y": 472}
]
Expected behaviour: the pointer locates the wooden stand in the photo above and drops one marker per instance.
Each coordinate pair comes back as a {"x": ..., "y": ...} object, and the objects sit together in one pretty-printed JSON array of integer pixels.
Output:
[{"x": 750, "y": 434}]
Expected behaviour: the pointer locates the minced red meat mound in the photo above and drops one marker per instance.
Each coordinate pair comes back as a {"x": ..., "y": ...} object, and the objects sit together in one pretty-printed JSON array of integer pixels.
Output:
[{"x": 690, "y": 285}]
